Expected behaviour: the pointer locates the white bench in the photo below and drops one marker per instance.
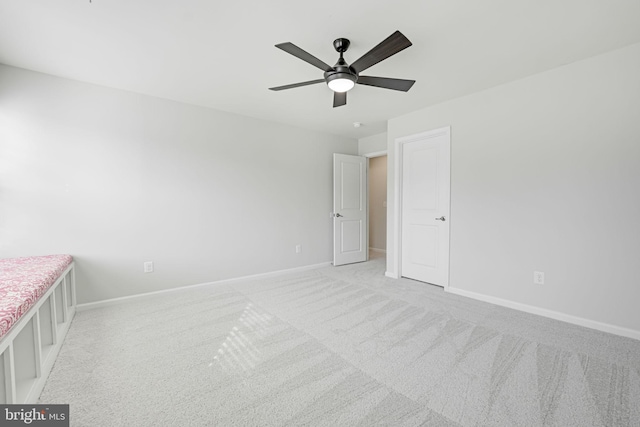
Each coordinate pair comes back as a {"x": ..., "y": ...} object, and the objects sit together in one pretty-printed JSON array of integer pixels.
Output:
[{"x": 37, "y": 304}]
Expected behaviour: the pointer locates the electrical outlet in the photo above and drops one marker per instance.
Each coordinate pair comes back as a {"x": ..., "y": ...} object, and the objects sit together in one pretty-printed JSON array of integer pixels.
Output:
[
  {"x": 538, "y": 278},
  {"x": 148, "y": 267},
  {"x": 298, "y": 249}
]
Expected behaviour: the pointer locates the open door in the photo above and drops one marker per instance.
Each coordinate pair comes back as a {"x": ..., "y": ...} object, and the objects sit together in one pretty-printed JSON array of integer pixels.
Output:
[{"x": 349, "y": 209}]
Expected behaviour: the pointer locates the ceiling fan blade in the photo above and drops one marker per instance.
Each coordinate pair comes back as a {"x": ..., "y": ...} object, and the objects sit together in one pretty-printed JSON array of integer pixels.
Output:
[
  {"x": 291, "y": 86},
  {"x": 304, "y": 55},
  {"x": 388, "y": 47},
  {"x": 339, "y": 99},
  {"x": 386, "y": 83}
]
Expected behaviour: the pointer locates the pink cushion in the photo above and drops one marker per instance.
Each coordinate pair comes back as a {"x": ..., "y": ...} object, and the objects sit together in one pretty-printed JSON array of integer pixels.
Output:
[{"x": 23, "y": 281}]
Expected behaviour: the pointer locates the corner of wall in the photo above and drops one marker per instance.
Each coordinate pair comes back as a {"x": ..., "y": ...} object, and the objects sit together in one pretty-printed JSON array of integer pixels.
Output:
[{"x": 372, "y": 144}]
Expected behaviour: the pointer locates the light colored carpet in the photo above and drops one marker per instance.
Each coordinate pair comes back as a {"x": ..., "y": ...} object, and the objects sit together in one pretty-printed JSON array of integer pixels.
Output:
[{"x": 341, "y": 346}]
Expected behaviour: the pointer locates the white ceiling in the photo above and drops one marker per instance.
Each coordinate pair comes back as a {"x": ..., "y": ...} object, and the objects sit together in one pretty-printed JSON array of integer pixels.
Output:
[{"x": 221, "y": 54}]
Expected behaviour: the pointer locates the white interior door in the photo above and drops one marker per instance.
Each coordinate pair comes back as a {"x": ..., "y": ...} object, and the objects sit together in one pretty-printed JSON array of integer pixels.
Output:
[
  {"x": 425, "y": 208},
  {"x": 349, "y": 209}
]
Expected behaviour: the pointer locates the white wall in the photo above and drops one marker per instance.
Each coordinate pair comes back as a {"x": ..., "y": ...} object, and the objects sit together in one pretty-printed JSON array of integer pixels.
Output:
[
  {"x": 545, "y": 175},
  {"x": 372, "y": 144},
  {"x": 377, "y": 200},
  {"x": 116, "y": 178}
]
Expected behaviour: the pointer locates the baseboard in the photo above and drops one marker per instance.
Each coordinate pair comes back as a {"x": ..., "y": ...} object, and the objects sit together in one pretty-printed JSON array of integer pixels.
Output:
[
  {"x": 580, "y": 321},
  {"x": 382, "y": 251},
  {"x": 392, "y": 275},
  {"x": 120, "y": 300}
]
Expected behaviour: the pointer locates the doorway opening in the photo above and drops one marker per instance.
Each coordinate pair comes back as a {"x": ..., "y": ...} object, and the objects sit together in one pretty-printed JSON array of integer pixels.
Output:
[
  {"x": 377, "y": 187},
  {"x": 359, "y": 207}
]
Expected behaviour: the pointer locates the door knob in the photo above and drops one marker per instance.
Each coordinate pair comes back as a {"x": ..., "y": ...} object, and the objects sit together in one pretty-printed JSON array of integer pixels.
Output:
[
  {"x": 440, "y": 219},
  {"x": 338, "y": 215}
]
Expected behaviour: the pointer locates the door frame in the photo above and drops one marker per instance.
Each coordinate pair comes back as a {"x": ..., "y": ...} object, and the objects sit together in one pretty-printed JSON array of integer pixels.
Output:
[{"x": 397, "y": 197}]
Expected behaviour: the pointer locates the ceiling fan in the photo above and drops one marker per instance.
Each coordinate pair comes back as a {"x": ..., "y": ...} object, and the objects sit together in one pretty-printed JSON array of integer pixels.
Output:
[{"x": 342, "y": 77}]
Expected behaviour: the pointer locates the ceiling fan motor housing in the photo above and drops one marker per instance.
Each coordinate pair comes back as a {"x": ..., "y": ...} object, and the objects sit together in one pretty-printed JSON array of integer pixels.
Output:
[{"x": 341, "y": 70}]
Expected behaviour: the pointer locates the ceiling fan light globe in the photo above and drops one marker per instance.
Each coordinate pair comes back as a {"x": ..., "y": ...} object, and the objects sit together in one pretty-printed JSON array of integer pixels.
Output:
[{"x": 341, "y": 85}]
